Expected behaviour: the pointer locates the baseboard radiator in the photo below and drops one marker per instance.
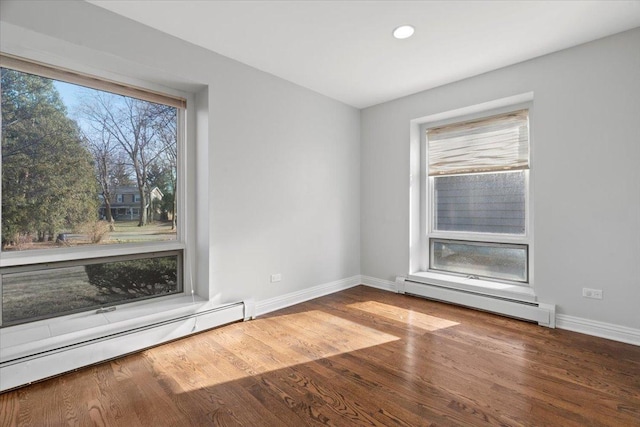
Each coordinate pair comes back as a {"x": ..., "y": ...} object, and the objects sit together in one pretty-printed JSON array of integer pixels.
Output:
[
  {"x": 25, "y": 370},
  {"x": 541, "y": 313}
]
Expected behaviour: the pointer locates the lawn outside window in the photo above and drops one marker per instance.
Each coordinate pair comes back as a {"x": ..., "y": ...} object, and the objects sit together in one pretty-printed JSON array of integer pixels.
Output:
[
  {"x": 92, "y": 191},
  {"x": 475, "y": 203}
]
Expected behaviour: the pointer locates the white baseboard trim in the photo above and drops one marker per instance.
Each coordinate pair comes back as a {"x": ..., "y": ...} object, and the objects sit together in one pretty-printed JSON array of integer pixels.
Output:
[
  {"x": 374, "y": 282},
  {"x": 598, "y": 329},
  {"x": 293, "y": 298},
  {"x": 570, "y": 323}
]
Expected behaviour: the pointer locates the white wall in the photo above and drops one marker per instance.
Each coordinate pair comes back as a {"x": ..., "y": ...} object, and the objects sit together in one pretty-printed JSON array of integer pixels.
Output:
[
  {"x": 277, "y": 169},
  {"x": 586, "y": 157}
]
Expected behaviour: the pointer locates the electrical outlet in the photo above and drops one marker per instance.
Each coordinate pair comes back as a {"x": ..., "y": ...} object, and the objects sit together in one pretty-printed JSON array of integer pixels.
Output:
[
  {"x": 276, "y": 277},
  {"x": 592, "y": 293}
]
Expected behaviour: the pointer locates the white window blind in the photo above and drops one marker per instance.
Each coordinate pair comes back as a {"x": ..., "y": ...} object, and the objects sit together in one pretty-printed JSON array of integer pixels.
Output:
[
  {"x": 491, "y": 144},
  {"x": 8, "y": 61}
]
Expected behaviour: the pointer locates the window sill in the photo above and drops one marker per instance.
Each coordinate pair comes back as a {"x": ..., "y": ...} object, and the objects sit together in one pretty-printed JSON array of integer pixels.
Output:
[
  {"x": 29, "y": 339},
  {"x": 484, "y": 287}
]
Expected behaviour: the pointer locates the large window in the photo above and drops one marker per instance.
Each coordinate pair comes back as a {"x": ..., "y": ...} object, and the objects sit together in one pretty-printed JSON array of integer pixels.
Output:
[
  {"x": 476, "y": 208},
  {"x": 90, "y": 193}
]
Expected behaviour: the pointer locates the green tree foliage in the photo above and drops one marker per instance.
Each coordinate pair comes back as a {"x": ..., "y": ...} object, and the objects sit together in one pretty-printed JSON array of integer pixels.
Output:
[{"x": 48, "y": 181}]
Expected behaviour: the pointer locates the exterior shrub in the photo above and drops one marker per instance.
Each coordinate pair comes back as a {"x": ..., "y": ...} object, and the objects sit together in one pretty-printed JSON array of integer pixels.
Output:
[
  {"x": 135, "y": 278},
  {"x": 96, "y": 231}
]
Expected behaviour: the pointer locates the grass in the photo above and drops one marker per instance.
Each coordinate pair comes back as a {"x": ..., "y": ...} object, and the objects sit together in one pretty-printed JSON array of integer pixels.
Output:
[
  {"x": 128, "y": 231},
  {"x": 125, "y": 232},
  {"x": 39, "y": 294}
]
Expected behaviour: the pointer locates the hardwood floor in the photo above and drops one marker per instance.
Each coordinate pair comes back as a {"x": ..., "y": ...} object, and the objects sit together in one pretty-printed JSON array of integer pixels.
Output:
[{"x": 358, "y": 357}]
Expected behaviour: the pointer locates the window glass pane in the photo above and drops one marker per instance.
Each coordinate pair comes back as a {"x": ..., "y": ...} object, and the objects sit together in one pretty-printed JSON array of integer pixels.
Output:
[
  {"x": 496, "y": 261},
  {"x": 37, "y": 292},
  {"x": 482, "y": 203},
  {"x": 84, "y": 167}
]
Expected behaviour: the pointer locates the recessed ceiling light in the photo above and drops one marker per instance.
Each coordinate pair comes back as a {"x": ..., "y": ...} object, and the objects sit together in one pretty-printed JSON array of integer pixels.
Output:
[{"x": 403, "y": 32}]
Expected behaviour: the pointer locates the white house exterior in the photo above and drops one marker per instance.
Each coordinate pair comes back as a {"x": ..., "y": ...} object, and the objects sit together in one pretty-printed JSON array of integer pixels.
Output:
[{"x": 125, "y": 203}]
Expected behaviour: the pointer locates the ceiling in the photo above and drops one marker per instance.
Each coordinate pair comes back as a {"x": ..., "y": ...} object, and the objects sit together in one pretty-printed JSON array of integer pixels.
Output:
[{"x": 345, "y": 50}]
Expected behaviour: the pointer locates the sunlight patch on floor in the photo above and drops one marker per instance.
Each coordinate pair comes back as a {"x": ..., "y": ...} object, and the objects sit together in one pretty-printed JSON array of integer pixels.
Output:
[
  {"x": 399, "y": 314},
  {"x": 246, "y": 349}
]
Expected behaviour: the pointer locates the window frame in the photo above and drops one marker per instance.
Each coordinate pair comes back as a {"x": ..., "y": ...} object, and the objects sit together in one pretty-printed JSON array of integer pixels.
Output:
[
  {"x": 483, "y": 244},
  {"x": 28, "y": 268},
  {"x": 426, "y": 211},
  {"x": 146, "y": 91}
]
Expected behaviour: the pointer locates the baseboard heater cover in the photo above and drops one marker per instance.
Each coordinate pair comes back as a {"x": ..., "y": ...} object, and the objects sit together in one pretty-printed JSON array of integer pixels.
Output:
[
  {"x": 542, "y": 313},
  {"x": 25, "y": 370}
]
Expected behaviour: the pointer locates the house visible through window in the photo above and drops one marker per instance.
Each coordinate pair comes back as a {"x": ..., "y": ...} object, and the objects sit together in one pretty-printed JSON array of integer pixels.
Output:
[
  {"x": 87, "y": 165},
  {"x": 477, "y": 199}
]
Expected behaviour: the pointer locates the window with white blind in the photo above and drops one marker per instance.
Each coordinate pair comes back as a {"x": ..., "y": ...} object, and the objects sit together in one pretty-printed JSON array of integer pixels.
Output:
[{"x": 476, "y": 204}]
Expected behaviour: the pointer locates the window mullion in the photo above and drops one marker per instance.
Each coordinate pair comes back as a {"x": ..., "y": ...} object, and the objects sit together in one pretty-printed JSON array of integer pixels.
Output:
[
  {"x": 479, "y": 237},
  {"x": 10, "y": 259}
]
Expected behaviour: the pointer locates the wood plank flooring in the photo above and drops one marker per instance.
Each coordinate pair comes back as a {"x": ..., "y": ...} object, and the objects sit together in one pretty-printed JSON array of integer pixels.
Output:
[{"x": 357, "y": 357}]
